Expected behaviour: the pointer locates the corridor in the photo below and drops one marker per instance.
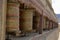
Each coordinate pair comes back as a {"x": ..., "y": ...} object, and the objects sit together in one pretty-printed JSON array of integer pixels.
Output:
[
  {"x": 46, "y": 35},
  {"x": 27, "y": 20}
]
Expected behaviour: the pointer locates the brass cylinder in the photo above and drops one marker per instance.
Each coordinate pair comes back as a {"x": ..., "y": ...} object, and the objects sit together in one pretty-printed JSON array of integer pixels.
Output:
[
  {"x": 27, "y": 20},
  {"x": 13, "y": 17}
]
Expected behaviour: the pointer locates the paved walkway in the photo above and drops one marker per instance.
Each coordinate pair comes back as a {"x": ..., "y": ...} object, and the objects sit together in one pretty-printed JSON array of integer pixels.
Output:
[
  {"x": 59, "y": 34},
  {"x": 24, "y": 38},
  {"x": 51, "y": 35},
  {"x": 34, "y": 36}
]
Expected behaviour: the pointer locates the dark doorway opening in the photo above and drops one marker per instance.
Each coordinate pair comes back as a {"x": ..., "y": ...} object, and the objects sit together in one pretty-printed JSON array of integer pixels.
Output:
[
  {"x": 21, "y": 20},
  {"x": 34, "y": 23}
]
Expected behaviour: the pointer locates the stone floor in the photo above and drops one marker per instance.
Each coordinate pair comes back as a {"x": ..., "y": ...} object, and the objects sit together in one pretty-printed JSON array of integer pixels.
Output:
[
  {"x": 52, "y": 35},
  {"x": 34, "y": 36}
]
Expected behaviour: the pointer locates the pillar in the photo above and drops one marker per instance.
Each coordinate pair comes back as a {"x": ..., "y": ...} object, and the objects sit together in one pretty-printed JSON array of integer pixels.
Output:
[
  {"x": 44, "y": 24},
  {"x": 57, "y": 25},
  {"x": 27, "y": 19},
  {"x": 52, "y": 24},
  {"x": 41, "y": 24},
  {"x": 13, "y": 16},
  {"x": 49, "y": 25},
  {"x": 37, "y": 21},
  {"x": 3, "y": 11}
]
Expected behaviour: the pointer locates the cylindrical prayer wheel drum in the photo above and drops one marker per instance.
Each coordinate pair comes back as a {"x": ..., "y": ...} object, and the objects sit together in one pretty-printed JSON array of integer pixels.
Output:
[
  {"x": 13, "y": 17},
  {"x": 27, "y": 20}
]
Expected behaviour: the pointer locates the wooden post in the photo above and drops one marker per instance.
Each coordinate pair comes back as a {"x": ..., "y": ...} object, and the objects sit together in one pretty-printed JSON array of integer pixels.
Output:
[
  {"x": 41, "y": 23},
  {"x": 52, "y": 25},
  {"x": 49, "y": 25},
  {"x": 44, "y": 23}
]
